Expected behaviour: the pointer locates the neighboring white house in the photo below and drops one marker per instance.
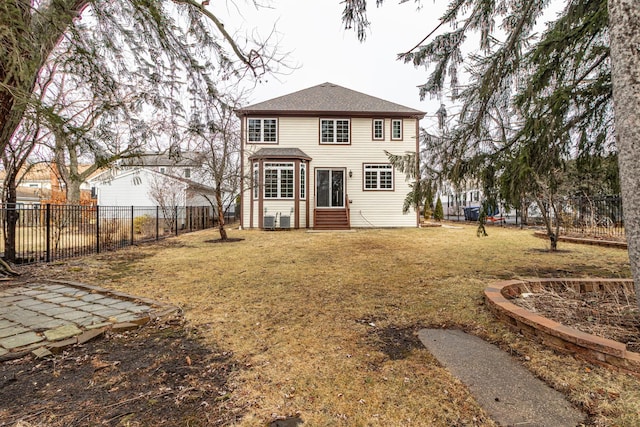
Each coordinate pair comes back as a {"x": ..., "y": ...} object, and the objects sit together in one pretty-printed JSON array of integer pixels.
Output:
[
  {"x": 316, "y": 159},
  {"x": 141, "y": 181}
]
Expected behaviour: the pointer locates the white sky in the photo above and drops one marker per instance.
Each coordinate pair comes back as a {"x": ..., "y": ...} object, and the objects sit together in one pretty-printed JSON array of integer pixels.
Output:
[{"x": 313, "y": 33}]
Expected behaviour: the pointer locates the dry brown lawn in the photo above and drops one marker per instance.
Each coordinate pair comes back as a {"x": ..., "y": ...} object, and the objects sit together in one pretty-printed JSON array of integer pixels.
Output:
[{"x": 323, "y": 325}]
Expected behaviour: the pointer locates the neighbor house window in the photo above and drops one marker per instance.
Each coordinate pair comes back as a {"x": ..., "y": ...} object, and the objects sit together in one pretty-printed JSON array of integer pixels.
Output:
[
  {"x": 378, "y": 129},
  {"x": 396, "y": 129},
  {"x": 262, "y": 130},
  {"x": 303, "y": 181},
  {"x": 378, "y": 177},
  {"x": 187, "y": 173},
  {"x": 256, "y": 180},
  {"x": 278, "y": 181},
  {"x": 334, "y": 131}
]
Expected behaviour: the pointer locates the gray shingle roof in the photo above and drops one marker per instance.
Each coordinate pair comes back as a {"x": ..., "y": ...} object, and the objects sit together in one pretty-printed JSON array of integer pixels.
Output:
[
  {"x": 282, "y": 153},
  {"x": 329, "y": 98},
  {"x": 187, "y": 159}
]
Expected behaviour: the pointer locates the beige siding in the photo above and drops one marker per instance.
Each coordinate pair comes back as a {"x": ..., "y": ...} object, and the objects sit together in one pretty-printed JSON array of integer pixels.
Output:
[{"x": 302, "y": 215}]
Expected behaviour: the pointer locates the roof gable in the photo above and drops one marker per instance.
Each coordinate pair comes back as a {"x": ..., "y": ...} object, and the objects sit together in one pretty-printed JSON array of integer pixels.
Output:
[{"x": 329, "y": 98}]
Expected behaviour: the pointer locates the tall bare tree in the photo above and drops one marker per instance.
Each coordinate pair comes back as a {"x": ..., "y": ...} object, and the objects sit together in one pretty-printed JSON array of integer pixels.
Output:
[
  {"x": 215, "y": 131},
  {"x": 89, "y": 130}
]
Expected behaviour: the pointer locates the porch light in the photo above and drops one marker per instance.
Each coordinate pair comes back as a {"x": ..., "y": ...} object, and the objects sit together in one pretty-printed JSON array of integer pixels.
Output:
[{"x": 350, "y": 174}]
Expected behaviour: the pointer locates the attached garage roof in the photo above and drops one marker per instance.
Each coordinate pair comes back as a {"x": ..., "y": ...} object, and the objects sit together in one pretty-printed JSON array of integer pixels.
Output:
[{"x": 329, "y": 98}]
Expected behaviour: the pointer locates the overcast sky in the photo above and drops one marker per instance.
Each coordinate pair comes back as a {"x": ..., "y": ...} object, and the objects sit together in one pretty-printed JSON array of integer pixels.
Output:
[{"x": 313, "y": 34}]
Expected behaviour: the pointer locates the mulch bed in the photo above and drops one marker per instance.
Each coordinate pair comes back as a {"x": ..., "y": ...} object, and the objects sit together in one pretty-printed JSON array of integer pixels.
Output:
[
  {"x": 227, "y": 240},
  {"x": 159, "y": 375},
  {"x": 610, "y": 314}
]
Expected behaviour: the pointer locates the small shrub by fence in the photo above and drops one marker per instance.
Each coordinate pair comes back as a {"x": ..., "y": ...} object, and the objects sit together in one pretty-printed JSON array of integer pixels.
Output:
[{"x": 46, "y": 233}]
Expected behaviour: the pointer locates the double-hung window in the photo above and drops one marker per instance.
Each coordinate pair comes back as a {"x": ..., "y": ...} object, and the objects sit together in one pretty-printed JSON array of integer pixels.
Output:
[
  {"x": 396, "y": 129},
  {"x": 378, "y": 177},
  {"x": 334, "y": 131},
  {"x": 378, "y": 129},
  {"x": 278, "y": 181},
  {"x": 262, "y": 131}
]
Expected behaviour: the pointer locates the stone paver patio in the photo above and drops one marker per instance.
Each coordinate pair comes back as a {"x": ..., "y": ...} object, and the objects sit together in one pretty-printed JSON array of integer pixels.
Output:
[{"x": 46, "y": 316}]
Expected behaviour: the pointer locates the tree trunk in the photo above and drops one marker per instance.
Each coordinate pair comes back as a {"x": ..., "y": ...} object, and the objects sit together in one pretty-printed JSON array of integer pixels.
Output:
[
  {"x": 11, "y": 221},
  {"x": 220, "y": 210},
  {"x": 547, "y": 216},
  {"x": 73, "y": 191},
  {"x": 624, "y": 28}
]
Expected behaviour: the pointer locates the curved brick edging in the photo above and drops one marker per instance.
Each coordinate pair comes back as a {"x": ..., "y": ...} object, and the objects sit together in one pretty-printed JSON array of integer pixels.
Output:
[
  {"x": 595, "y": 349},
  {"x": 585, "y": 241}
]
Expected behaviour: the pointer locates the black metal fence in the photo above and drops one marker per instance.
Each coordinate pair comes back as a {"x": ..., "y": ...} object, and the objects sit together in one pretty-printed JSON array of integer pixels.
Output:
[
  {"x": 45, "y": 233},
  {"x": 593, "y": 216},
  {"x": 588, "y": 216}
]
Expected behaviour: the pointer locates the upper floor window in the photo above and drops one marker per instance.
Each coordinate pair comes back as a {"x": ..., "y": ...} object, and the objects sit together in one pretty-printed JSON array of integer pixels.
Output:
[
  {"x": 396, "y": 129},
  {"x": 187, "y": 173},
  {"x": 334, "y": 131},
  {"x": 378, "y": 177},
  {"x": 378, "y": 129},
  {"x": 262, "y": 130}
]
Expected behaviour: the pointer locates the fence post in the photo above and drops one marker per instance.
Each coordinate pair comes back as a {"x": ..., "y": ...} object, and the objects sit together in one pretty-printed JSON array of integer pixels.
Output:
[
  {"x": 157, "y": 222},
  {"x": 132, "y": 226},
  {"x": 47, "y": 219},
  {"x": 97, "y": 229}
]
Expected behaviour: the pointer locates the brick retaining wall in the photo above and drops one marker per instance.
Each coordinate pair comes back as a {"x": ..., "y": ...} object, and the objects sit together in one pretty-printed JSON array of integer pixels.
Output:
[{"x": 595, "y": 349}]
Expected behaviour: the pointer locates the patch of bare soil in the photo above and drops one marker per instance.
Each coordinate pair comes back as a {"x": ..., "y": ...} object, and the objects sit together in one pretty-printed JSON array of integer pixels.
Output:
[
  {"x": 159, "y": 375},
  {"x": 611, "y": 314}
]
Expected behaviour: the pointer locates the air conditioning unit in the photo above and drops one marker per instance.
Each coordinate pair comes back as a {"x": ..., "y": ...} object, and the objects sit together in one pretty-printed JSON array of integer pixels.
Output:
[{"x": 269, "y": 222}]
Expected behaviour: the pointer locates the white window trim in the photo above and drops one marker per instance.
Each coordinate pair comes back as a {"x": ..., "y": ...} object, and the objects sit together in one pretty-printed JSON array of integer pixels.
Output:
[
  {"x": 377, "y": 168},
  {"x": 373, "y": 130},
  {"x": 262, "y": 127},
  {"x": 335, "y": 132},
  {"x": 394, "y": 138},
  {"x": 279, "y": 167}
]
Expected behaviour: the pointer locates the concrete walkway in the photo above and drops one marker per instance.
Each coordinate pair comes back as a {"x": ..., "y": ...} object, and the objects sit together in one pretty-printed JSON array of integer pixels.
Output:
[
  {"x": 47, "y": 316},
  {"x": 509, "y": 393}
]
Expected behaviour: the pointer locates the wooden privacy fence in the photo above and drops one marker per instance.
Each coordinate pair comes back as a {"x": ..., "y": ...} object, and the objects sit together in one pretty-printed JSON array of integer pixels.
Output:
[{"x": 45, "y": 233}]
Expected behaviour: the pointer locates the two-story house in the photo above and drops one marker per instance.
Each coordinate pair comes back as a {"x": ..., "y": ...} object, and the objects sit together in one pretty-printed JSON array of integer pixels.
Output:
[{"x": 316, "y": 159}]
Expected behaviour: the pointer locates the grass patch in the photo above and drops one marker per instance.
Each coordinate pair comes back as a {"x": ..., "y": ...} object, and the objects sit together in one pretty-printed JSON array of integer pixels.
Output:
[{"x": 324, "y": 324}]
